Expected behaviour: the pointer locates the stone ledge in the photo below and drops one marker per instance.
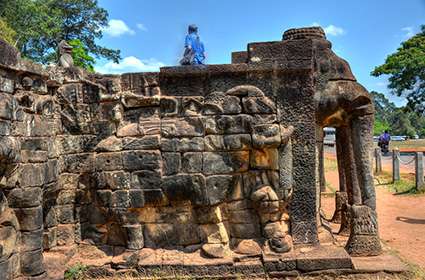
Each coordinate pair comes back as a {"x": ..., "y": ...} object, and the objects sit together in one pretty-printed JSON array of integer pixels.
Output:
[{"x": 163, "y": 263}]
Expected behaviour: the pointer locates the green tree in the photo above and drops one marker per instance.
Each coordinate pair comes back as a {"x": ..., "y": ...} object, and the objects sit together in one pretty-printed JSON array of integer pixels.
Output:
[
  {"x": 42, "y": 24},
  {"x": 81, "y": 56},
  {"x": 400, "y": 124},
  {"x": 406, "y": 70},
  {"x": 7, "y": 33}
]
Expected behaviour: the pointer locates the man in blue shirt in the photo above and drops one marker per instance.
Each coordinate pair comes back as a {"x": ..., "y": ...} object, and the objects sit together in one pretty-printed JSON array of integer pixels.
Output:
[{"x": 194, "y": 53}]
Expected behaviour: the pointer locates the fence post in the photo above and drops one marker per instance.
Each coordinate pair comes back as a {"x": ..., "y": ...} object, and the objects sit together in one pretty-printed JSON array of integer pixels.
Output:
[
  {"x": 396, "y": 165},
  {"x": 419, "y": 170},
  {"x": 378, "y": 161}
]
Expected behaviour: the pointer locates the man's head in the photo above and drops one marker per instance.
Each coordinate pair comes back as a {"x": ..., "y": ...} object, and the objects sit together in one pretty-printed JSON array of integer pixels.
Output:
[
  {"x": 386, "y": 131},
  {"x": 192, "y": 28}
]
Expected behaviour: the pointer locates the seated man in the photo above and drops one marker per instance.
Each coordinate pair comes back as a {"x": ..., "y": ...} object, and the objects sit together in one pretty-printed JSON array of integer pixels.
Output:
[{"x": 194, "y": 53}]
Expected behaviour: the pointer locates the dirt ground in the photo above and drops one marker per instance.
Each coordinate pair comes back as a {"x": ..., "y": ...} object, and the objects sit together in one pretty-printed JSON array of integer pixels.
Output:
[{"x": 401, "y": 219}]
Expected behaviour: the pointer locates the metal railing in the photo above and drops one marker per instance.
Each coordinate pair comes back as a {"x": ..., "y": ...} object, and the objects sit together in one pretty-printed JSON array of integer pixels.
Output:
[{"x": 418, "y": 158}]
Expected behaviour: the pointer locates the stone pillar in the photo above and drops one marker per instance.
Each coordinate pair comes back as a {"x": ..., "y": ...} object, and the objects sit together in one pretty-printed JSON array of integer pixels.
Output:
[
  {"x": 364, "y": 239},
  {"x": 419, "y": 174},
  {"x": 378, "y": 161},
  {"x": 340, "y": 201},
  {"x": 396, "y": 165}
]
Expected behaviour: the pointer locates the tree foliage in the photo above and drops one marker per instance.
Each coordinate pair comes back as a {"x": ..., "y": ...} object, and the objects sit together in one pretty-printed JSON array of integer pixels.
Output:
[
  {"x": 406, "y": 70},
  {"x": 7, "y": 33},
  {"x": 41, "y": 24},
  {"x": 397, "y": 120},
  {"x": 81, "y": 56}
]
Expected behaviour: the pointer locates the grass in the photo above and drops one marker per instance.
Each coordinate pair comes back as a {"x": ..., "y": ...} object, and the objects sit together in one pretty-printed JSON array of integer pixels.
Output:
[
  {"x": 330, "y": 164},
  {"x": 408, "y": 144},
  {"x": 415, "y": 271},
  {"x": 406, "y": 185},
  {"x": 75, "y": 272}
]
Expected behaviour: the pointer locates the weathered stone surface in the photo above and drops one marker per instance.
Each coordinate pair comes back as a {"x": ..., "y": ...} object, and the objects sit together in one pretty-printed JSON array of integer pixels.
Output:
[
  {"x": 148, "y": 142},
  {"x": 146, "y": 179},
  {"x": 215, "y": 250},
  {"x": 31, "y": 240},
  {"x": 113, "y": 180},
  {"x": 141, "y": 160},
  {"x": 258, "y": 105},
  {"x": 192, "y": 162},
  {"x": 266, "y": 135},
  {"x": 227, "y": 142},
  {"x": 25, "y": 197},
  {"x": 109, "y": 161},
  {"x": 213, "y": 233},
  {"x": 32, "y": 262},
  {"x": 171, "y": 163},
  {"x": 169, "y": 106},
  {"x": 135, "y": 236},
  {"x": 225, "y": 162},
  {"x": 185, "y": 187},
  {"x": 264, "y": 159},
  {"x": 110, "y": 144},
  {"x": 182, "y": 127},
  {"x": 195, "y": 144},
  {"x": 30, "y": 218}
]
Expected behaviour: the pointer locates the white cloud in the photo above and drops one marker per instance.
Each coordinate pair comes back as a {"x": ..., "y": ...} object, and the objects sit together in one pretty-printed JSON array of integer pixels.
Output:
[
  {"x": 142, "y": 27},
  {"x": 130, "y": 64},
  {"x": 117, "y": 27},
  {"x": 381, "y": 84},
  {"x": 409, "y": 31},
  {"x": 331, "y": 29}
]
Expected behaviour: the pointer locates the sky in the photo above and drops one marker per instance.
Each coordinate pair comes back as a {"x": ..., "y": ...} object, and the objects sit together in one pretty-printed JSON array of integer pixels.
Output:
[{"x": 150, "y": 33}]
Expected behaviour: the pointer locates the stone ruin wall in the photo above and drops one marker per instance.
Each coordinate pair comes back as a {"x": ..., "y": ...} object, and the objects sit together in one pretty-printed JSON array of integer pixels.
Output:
[{"x": 177, "y": 159}]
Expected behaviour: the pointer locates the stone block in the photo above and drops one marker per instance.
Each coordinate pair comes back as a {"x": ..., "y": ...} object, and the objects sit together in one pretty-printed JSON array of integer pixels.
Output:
[
  {"x": 169, "y": 106},
  {"x": 120, "y": 199},
  {"x": 155, "y": 197},
  {"x": 134, "y": 236},
  {"x": 78, "y": 163},
  {"x": 182, "y": 127},
  {"x": 229, "y": 124},
  {"x": 32, "y": 262},
  {"x": 227, "y": 142},
  {"x": 109, "y": 161},
  {"x": 191, "y": 105},
  {"x": 185, "y": 187},
  {"x": 245, "y": 231},
  {"x": 264, "y": 159},
  {"x": 50, "y": 217},
  {"x": 192, "y": 162},
  {"x": 110, "y": 144},
  {"x": 208, "y": 215},
  {"x": 151, "y": 126},
  {"x": 114, "y": 180},
  {"x": 148, "y": 142},
  {"x": 141, "y": 160},
  {"x": 266, "y": 136},
  {"x": 137, "y": 198},
  {"x": 50, "y": 238},
  {"x": 243, "y": 216},
  {"x": 213, "y": 233},
  {"x": 131, "y": 100},
  {"x": 65, "y": 214},
  {"x": 146, "y": 179},
  {"x": 9, "y": 240},
  {"x": 33, "y": 156},
  {"x": 171, "y": 163},
  {"x": 219, "y": 187},
  {"x": 30, "y": 218},
  {"x": 258, "y": 105},
  {"x": 129, "y": 130},
  {"x": 322, "y": 258},
  {"x": 24, "y": 197},
  {"x": 66, "y": 197},
  {"x": 104, "y": 198},
  {"x": 31, "y": 240},
  {"x": 65, "y": 234},
  {"x": 195, "y": 144},
  {"x": 225, "y": 162}
]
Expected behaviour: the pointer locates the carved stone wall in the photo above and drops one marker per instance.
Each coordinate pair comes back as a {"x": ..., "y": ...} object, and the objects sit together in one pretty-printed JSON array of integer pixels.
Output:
[{"x": 219, "y": 158}]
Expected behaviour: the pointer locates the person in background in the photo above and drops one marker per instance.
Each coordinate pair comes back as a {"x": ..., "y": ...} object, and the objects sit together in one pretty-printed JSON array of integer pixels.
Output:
[
  {"x": 384, "y": 141},
  {"x": 194, "y": 53}
]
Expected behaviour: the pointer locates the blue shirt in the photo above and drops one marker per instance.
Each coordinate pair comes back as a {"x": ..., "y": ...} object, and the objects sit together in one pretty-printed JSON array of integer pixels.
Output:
[{"x": 197, "y": 47}]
